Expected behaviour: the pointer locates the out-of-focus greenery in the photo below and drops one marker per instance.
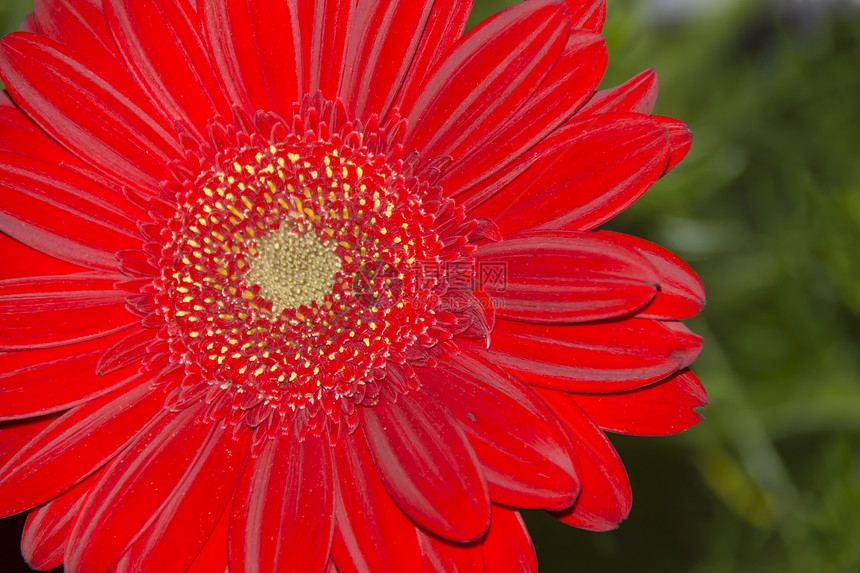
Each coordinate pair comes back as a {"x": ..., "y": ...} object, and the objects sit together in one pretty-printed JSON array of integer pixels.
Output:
[
  {"x": 12, "y": 13},
  {"x": 767, "y": 209}
]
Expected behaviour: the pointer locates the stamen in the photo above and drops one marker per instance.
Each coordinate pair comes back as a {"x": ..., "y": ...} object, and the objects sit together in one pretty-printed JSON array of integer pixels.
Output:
[{"x": 293, "y": 268}]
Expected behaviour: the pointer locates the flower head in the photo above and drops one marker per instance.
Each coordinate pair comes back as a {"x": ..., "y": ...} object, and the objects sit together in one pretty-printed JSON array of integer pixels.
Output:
[{"x": 314, "y": 284}]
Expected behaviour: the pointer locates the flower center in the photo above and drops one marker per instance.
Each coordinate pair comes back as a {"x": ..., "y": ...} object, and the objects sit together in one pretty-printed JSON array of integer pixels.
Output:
[
  {"x": 293, "y": 268},
  {"x": 293, "y": 280}
]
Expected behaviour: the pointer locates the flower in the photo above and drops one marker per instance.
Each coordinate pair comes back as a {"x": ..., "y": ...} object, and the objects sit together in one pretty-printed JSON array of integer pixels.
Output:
[{"x": 313, "y": 285}]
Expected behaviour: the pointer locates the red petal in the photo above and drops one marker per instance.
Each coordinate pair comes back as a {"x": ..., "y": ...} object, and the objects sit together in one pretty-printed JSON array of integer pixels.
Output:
[
  {"x": 585, "y": 173},
  {"x": 61, "y": 283},
  {"x": 15, "y": 435},
  {"x": 47, "y": 530},
  {"x": 74, "y": 446},
  {"x": 162, "y": 45},
  {"x": 692, "y": 342},
  {"x": 52, "y": 311},
  {"x": 680, "y": 139},
  {"x": 587, "y": 14},
  {"x": 497, "y": 182},
  {"x": 282, "y": 517},
  {"x": 563, "y": 277},
  {"x": 132, "y": 493},
  {"x": 37, "y": 382},
  {"x": 606, "y": 498},
  {"x": 382, "y": 42},
  {"x": 21, "y": 261},
  {"x": 64, "y": 213},
  {"x": 428, "y": 466},
  {"x": 571, "y": 81},
  {"x": 19, "y": 134},
  {"x": 366, "y": 516},
  {"x": 191, "y": 515},
  {"x": 636, "y": 95},
  {"x": 130, "y": 350},
  {"x": 443, "y": 29},
  {"x": 251, "y": 43},
  {"x": 29, "y": 24},
  {"x": 442, "y": 555},
  {"x": 98, "y": 118},
  {"x": 508, "y": 547},
  {"x": 80, "y": 25},
  {"x": 323, "y": 29},
  {"x": 213, "y": 557},
  {"x": 485, "y": 78},
  {"x": 525, "y": 460},
  {"x": 657, "y": 410},
  {"x": 681, "y": 294},
  {"x": 599, "y": 357}
]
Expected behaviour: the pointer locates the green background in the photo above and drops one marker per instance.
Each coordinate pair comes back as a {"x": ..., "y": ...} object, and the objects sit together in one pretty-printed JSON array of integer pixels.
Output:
[{"x": 766, "y": 208}]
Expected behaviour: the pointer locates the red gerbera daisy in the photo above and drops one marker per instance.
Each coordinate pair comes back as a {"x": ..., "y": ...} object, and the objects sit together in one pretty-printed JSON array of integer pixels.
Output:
[{"x": 297, "y": 285}]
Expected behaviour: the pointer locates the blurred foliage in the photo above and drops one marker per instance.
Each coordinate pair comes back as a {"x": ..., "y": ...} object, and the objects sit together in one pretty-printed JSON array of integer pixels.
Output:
[
  {"x": 12, "y": 13},
  {"x": 767, "y": 209}
]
